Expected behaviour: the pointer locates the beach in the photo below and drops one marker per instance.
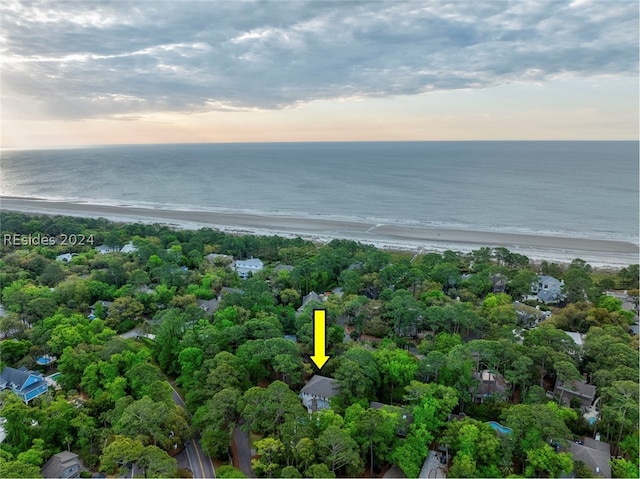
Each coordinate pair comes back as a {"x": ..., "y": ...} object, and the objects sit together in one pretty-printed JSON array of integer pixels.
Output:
[{"x": 598, "y": 252}]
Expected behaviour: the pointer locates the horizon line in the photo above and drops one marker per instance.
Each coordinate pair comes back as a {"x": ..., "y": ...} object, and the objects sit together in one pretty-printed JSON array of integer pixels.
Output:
[{"x": 103, "y": 145}]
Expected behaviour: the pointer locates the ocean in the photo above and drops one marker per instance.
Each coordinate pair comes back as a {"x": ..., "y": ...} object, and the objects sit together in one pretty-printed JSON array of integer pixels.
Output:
[{"x": 568, "y": 189}]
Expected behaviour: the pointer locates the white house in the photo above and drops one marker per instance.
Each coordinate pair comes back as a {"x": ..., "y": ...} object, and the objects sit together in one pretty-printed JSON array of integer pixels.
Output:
[
  {"x": 251, "y": 265},
  {"x": 65, "y": 257},
  {"x": 129, "y": 248}
]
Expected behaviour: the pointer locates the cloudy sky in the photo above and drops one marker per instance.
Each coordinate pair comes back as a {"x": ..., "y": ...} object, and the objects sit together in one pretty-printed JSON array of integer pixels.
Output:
[{"x": 103, "y": 72}]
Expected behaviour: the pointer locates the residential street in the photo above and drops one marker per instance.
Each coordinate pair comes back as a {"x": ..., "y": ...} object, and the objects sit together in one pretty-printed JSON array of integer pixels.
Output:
[{"x": 200, "y": 464}]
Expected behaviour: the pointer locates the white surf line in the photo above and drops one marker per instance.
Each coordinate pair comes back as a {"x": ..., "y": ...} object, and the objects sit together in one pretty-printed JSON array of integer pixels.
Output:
[{"x": 374, "y": 227}]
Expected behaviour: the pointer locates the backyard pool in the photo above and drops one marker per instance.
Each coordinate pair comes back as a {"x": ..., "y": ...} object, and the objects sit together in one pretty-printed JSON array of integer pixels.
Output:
[{"x": 500, "y": 428}]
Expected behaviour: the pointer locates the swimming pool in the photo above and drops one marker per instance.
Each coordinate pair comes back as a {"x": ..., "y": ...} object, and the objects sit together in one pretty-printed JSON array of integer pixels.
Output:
[
  {"x": 54, "y": 377},
  {"x": 500, "y": 428}
]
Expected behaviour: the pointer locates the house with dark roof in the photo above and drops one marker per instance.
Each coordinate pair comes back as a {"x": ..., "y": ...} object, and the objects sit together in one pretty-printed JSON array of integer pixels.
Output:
[
  {"x": 584, "y": 392},
  {"x": 62, "y": 465},
  {"x": 488, "y": 384},
  {"x": 25, "y": 383},
  {"x": 594, "y": 454},
  {"x": 317, "y": 393},
  {"x": 312, "y": 296},
  {"x": 499, "y": 283},
  {"x": 209, "y": 307}
]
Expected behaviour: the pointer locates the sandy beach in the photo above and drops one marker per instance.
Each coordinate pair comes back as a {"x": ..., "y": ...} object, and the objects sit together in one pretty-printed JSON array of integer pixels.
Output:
[{"x": 600, "y": 253}]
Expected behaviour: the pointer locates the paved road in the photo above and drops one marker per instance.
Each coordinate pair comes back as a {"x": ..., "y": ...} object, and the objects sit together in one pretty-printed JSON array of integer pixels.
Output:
[
  {"x": 200, "y": 464},
  {"x": 242, "y": 452}
]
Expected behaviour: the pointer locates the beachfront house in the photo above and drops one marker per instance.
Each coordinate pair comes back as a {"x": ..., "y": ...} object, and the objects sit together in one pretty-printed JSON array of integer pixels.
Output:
[
  {"x": 249, "y": 266},
  {"x": 63, "y": 464},
  {"x": 25, "y": 383},
  {"x": 317, "y": 393}
]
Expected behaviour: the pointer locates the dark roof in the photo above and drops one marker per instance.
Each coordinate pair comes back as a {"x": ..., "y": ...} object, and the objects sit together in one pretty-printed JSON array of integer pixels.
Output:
[
  {"x": 209, "y": 306},
  {"x": 283, "y": 267},
  {"x": 58, "y": 463},
  {"x": 312, "y": 296},
  {"x": 580, "y": 389},
  {"x": 594, "y": 454},
  {"x": 17, "y": 376},
  {"x": 321, "y": 386}
]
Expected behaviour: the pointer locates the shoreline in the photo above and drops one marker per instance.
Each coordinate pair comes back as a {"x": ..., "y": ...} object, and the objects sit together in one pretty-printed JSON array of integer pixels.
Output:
[{"x": 598, "y": 252}]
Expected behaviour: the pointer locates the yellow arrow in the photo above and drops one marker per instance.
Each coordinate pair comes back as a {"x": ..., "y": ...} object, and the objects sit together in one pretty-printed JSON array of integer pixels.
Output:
[{"x": 319, "y": 338}]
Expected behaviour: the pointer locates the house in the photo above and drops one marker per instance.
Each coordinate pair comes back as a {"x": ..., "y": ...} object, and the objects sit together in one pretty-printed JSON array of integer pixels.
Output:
[
  {"x": 128, "y": 248},
  {"x": 594, "y": 454},
  {"x": 283, "y": 267},
  {"x": 104, "y": 249},
  {"x": 548, "y": 289},
  {"x": 312, "y": 296},
  {"x": 224, "y": 259},
  {"x": 499, "y": 283},
  {"x": 584, "y": 392},
  {"x": 67, "y": 257},
  {"x": 248, "y": 266},
  {"x": 488, "y": 384},
  {"x": 528, "y": 316},
  {"x": 317, "y": 393},
  {"x": 62, "y": 465},
  {"x": 208, "y": 307},
  {"x": 105, "y": 307},
  {"x": 25, "y": 383}
]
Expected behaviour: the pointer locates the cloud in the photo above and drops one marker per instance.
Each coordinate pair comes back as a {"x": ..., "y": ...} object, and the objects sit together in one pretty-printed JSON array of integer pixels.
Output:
[{"x": 104, "y": 59}]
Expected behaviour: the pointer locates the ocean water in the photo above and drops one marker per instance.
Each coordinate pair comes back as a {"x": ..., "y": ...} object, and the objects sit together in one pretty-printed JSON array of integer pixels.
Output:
[{"x": 575, "y": 189}]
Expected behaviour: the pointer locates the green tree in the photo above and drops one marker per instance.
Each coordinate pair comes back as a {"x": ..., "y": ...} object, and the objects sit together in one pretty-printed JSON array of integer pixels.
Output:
[
  {"x": 217, "y": 420},
  {"x": 269, "y": 451},
  {"x": 154, "y": 423},
  {"x": 374, "y": 430},
  {"x": 157, "y": 463},
  {"x": 121, "y": 451},
  {"x": 397, "y": 367},
  {"x": 545, "y": 461},
  {"x": 340, "y": 450}
]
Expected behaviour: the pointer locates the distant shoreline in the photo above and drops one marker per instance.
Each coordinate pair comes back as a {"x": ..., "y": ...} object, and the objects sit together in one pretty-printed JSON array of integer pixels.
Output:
[{"x": 600, "y": 253}]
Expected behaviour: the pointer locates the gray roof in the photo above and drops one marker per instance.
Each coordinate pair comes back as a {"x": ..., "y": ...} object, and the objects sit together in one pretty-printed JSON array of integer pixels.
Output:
[
  {"x": 550, "y": 289},
  {"x": 283, "y": 267},
  {"x": 594, "y": 454},
  {"x": 55, "y": 466},
  {"x": 580, "y": 389},
  {"x": 17, "y": 377},
  {"x": 209, "y": 306},
  {"x": 312, "y": 296},
  {"x": 321, "y": 386}
]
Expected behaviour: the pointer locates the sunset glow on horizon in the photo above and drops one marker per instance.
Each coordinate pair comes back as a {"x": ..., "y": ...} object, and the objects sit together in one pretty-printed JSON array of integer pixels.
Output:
[{"x": 186, "y": 72}]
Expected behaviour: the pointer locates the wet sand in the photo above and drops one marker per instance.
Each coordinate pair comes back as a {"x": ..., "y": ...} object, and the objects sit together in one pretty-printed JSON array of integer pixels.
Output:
[{"x": 391, "y": 236}]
